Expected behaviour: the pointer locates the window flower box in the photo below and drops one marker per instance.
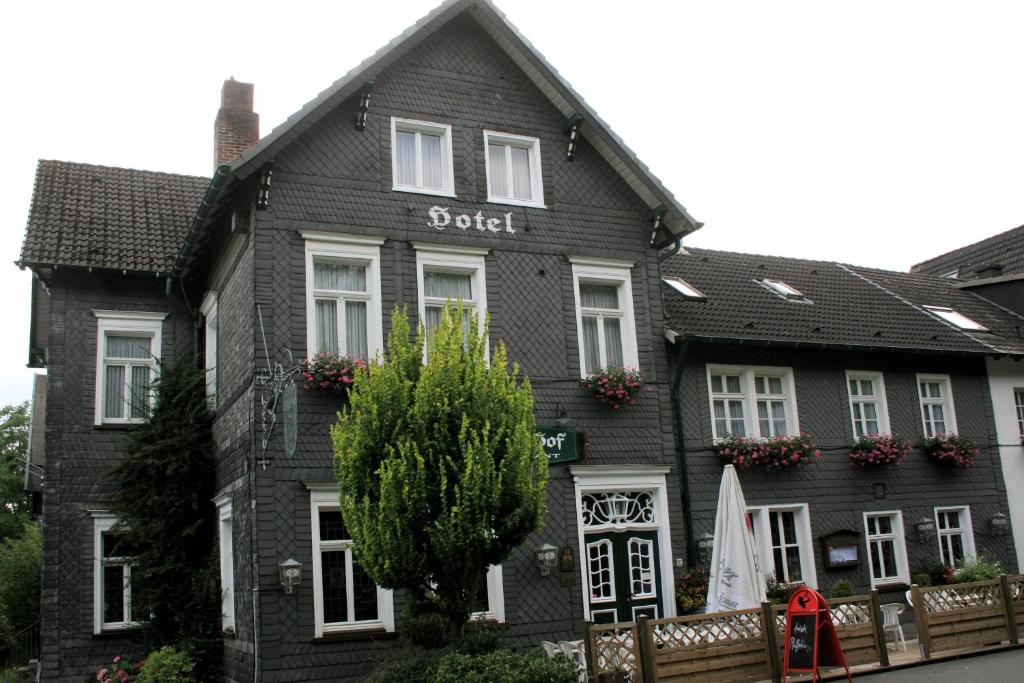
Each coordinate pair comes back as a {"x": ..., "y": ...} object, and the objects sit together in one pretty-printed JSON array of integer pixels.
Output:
[
  {"x": 878, "y": 450},
  {"x": 951, "y": 450},
  {"x": 614, "y": 386},
  {"x": 330, "y": 372},
  {"x": 776, "y": 453}
]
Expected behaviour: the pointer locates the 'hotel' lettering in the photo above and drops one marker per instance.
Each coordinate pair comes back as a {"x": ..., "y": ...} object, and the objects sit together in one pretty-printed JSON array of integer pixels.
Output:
[{"x": 440, "y": 219}]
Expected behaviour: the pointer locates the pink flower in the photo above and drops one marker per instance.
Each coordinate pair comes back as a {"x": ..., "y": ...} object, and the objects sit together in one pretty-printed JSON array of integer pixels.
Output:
[{"x": 101, "y": 675}]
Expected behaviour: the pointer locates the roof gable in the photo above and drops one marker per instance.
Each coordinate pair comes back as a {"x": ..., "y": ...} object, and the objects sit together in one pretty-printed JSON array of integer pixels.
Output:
[{"x": 1005, "y": 249}]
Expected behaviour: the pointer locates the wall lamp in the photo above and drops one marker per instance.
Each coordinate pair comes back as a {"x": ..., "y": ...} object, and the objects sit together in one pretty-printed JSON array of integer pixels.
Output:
[
  {"x": 290, "y": 574},
  {"x": 547, "y": 557},
  {"x": 999, "y": 525},
  {"x": 925, "y": 530}
]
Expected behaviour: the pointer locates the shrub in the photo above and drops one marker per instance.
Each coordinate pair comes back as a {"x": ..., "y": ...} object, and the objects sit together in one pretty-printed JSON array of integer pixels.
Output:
[
  {"x": 776, "y": 453},
  {"x": 978, "y": 568},
  {"x": 424, "y": 626},
  {"x": 692, "y": 593},
  {"x": 405, "y": 666},
  {"x": 614, "y": 386},
  {"x": 167, "y": 665},
  {"x": 841, "y": 589},
  {"x": 330, "y": 372},
  {"x": 942, "y": 574},
  {"x": 950, "y": 449},
  {"x": 505, "y": 666},
  {"x": 877, "y": 450},
  {"x": 922, "y": 579},
  {"x": 121, "y": 670}
]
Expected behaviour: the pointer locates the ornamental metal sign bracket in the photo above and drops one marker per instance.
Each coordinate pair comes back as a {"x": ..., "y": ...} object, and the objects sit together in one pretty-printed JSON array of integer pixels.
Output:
[{"x": 276, "y": 383}]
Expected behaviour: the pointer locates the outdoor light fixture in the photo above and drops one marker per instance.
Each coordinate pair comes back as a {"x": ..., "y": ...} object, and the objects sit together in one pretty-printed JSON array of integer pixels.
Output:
[
  {"x": 925, "y": 530},
  {"x": 290, "y": 574},
  {"x": 547, "y": 557},
  {"x": 999, "y": 525},
  {"x": 705, "y": 545}
]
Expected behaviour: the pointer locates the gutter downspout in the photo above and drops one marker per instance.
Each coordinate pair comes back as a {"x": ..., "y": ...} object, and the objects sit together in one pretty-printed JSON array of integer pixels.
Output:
[{"x": 684, "y": 477}]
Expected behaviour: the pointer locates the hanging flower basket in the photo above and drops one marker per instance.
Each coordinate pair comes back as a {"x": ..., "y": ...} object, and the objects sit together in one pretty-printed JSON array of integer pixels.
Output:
[
  {"x": 877, "y": 450},
  {"x": 776, "y": 453},
  {"x": 330, "y": 372},
  {"x": 951, "y": 450},
  {"x": 614, "y": 386}
]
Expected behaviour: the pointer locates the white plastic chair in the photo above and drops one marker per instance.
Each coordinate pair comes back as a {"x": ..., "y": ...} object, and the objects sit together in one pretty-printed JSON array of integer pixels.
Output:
[
  {"x": 573, "y": 649},
  {"x": 550, "y": 649},
  {"x": 891, "y": 622}
]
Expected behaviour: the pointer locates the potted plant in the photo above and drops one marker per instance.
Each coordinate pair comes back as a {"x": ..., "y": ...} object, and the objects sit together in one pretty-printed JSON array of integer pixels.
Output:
[
  {"x": 613, "y": 674},
  {"x": 776, "y": 453},
  {"x": 614, "y": 386},
  {"x": 951, "y": 450},
  {"x": 877, "y": 450},
  {"x": 330, "y": 372},
  {"x": 692, "y": 593}
]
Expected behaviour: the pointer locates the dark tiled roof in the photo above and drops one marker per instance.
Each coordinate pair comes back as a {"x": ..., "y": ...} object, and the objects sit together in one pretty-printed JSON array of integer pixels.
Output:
[
  {"x": 1005, "y": 249},
  {"x": 104, "y": 217},
  {"x": 844, "y": 306}
]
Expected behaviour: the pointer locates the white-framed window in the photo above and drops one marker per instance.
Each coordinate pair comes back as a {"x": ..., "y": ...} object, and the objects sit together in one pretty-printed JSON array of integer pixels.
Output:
[
  {"x": 868, "y": 410},
  {"x": 1018, "y": 401},
  {"x": 343, "y": 302},
  {"x": 421, "y": 157},
  {"x": 956, "y": 534},
  {"x": 127, "y": 361},
  {"x": 227, "y": 562},
  {"x": 208, "y": 309},
  {"x": 491, "y": 596},
  {"x": 936, "y": 395},
  {"x": 784, "y": 544},
  {"x": 887, "y": 548},
  {"x": 956, "y": 318},
  {"x": 112, "y": 576},
  {"x": 684, "y": 288},
  {"x": 605, "y": 325},
  {"x": 757, "y": 402},
  {"x": 782, "y": 289},
  {"x": 345, "y": 598},
  {"x": 513, "y": 169},
  {"x": 450, "y": 274}
]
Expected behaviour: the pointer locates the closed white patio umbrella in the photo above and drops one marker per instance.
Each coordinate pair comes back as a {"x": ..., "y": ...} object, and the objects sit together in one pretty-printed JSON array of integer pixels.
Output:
[{"x": 735, "y": 578}]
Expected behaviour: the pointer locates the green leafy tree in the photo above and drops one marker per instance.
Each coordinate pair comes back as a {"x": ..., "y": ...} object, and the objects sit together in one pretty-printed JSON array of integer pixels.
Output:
[
  {"x": 440, "y": 471},
  {"x": 20, "y": 566},
  {"x": 15, "y": 504},
  {"x": 164, "y": 504}
]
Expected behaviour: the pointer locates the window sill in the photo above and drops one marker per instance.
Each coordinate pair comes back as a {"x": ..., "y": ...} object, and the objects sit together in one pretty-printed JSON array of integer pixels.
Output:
[
  {"x": 516, "y": 202},
  {"x": 117, "y": 426},
  {"x": 115, "y": 633},
  {"x": 377, "y": 633},
  {"x": 898, "y": 585},
  {"x": 425, "y": 190}
]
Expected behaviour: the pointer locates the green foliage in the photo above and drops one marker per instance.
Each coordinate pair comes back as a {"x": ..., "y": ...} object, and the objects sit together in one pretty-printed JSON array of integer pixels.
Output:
[
  {"x": 922, "y": 579},
  {"x": 20, "y": 565},
  {"x": 411, "y": 665},
  {"x": 505, "y": 666},
  {"x": 779, "y": 593},
  {"x": 978, "y": 568},
  {"x": 120, "y": 670},
  {"x": 15, "y": 504},
  {"x": 692, "y": 592},
  {"x": 841, "y": 589},
  {"x": 164, "y": 493},
  {"x": 423, "y": 624},
  {"x": 167, "y": 665},
  {"x": 439, "y": 469},
  {"x": 942, "y": 574}
]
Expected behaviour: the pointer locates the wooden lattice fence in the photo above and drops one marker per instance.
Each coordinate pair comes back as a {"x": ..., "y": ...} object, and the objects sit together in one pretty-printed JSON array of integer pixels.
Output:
[{"x": 967, "y": 616}]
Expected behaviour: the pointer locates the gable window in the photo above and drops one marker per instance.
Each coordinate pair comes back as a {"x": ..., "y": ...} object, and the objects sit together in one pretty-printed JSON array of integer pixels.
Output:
[
  {"x": 421, "y": 157},
  {"x": 345, "y": 598},
  {"x": 783, "y": 538},
  {"x": 887, "y": 549},
  {"x": 867, "y": 403},
  {"x": 112, "y": 576},
  {"x": 754, "y": 402},
  {"x": 513, "y": 169},
  {"x": 227, "y": 564},
  {"x": 343, "y": 305},
  {"x": 450, "y": 275},
  {"x": 604, "y": 314},
  {"x": 936, "y": 405},
  {"x": 208, "y": 309},
  {"x": 1018, "y": 400},
  {"x": 956, "y": 318},
  {"x": 127, "y": 357},
  {"x": 956, "y": 536}
]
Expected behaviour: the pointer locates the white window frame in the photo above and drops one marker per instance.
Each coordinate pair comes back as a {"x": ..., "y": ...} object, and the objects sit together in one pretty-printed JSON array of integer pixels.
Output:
[
  {"x": 532, "y": 145},
  {"x": 355, "y": 250},
  {"x": 763, "y": 539},
  {"x": 225, "y": 541},
  {"x": 495, "y": 597},
  {"x": 749, "y": 395},
  {"x": 956, "y": 318},
  {"x": 447, "y": 168},
  {"x": 128, "y": 324},
  {"x": 103, "y": 522},
  {"x": 1018, "y": 402},
  {"x": 898, "y": 538},
  {"x": 684, "y": 288},
  {"x": 449, "y": 259},
  {"x": 946, "y": 402},
  {"x": 966, "y": 529},
  {"x": 782, "y": 289},
  {"x": 208, "y": 309},
  {"x": 610, "y": 273},
  {"x": 881, "y": 407},
  {"x": 325, "y": 496}
]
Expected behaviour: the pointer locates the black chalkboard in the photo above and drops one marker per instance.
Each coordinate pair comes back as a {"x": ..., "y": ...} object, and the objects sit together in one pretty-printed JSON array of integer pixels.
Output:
[{"x": 800, "y": 648}]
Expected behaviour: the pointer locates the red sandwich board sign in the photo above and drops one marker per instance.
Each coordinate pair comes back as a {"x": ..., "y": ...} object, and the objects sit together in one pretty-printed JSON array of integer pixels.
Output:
[{"x": 811, "y": 639}]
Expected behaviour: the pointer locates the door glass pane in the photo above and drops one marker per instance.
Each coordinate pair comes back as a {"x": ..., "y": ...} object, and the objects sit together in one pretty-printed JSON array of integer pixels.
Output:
[
  {"x": 355, "y": 329},
  {"x": 342, "y": 277},
  {"x": 497, "y": 170},
  {"x": 405, "y": 157},
  {"x": 521, "y": 173},
  {"x": 431, "y": 145},
  {"x": 332, "y": 563},
  {"x": 326, "y": 326},
  {"x": 599, "y": 566},
  {"x": 113, "y": 392},
  {"x": 641, "y": 567}
]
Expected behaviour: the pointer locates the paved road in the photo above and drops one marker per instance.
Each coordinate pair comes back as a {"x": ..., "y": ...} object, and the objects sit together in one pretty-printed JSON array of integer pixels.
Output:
[{"x": 1003, "y": 667}]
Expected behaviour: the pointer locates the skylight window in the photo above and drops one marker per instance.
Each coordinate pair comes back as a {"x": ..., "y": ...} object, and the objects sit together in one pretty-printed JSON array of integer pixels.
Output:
[
  {"x": 684, "y": 288},
  {"x": 958, "y": 319},
  {"x": 782, "y": 289}
]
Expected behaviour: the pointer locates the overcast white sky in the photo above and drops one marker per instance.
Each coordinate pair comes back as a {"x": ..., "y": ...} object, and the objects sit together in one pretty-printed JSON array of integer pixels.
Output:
[{"x": 877, "y": 133}]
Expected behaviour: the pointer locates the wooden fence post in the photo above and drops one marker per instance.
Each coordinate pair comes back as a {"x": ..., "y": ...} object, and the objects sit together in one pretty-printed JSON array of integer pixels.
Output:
[
  {"x": 921, "y": 620},
  {"x": 1011, "y": 617},
  {"x": 643, "y": 651},
  {"x": 590, "y": 650},
  {"x": 771, "y": 641},
  {"x": 876, "y": 617}
]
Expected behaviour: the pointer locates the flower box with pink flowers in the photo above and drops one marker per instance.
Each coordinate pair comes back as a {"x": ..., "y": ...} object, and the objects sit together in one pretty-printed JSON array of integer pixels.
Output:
[
  {"x": 877, "y": 450},
  {"x": 776, "y": 453},
  {"x": 330, "y": 372},
  {"x": 951, "y": 450},
  {"x": 614, "y": 386}
]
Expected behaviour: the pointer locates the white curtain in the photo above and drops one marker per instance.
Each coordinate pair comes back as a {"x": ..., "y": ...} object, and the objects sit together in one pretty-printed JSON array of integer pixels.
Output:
[
  {"x": 613, "y": 342},
  {"x": 591, "y": 348},
  {"x": 431, "y": 156},
  {"x": 341, "y": 277},
  {"x": 497, "y": 169},
  {"x": 326, "y": 326},
  {"x": 599, "y": 296},
  {"x": 127, "y": 347},
  {"x": 452, "y": 286},
  {"x": 405, "y": 158},
  {"x": 355, "y": 329},
  {"x": 113, "y": 395},
  {"x": 139, "y": 391},
  {"x": 521, "y": 173}
]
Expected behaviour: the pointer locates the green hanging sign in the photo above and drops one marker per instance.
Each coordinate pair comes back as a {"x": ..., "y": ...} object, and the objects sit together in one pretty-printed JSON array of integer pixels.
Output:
[{"x": 560, "y": 444}]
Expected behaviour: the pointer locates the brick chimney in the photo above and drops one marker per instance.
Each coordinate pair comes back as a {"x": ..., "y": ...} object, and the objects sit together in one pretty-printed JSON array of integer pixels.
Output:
[{"x": 237, "y": 127}]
